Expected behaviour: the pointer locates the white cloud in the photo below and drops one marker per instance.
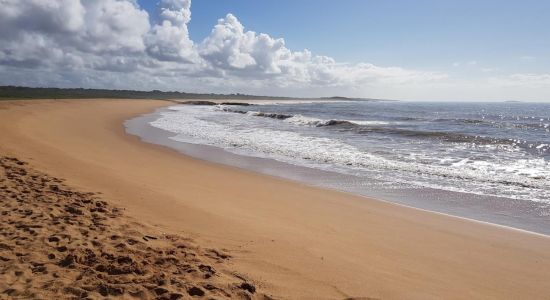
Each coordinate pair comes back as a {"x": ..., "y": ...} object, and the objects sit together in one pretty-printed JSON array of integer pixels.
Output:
[
  {"x": 178, "y": 12},
  {"x": 113, "y": 26},
  {"x": 169, "y": 40},
  {"x": 230, "y": 47},
  {"x": 41, "y": 15},
  {"x": 112, "y": 44},
  {"x": 69, "y": 33},
  {"x": 245, "y": 54}
]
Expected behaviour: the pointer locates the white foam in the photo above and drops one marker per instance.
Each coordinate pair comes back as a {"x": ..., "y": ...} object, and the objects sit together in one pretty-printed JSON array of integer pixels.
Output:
[
  {"x": 302, "y": 120},
  {"x": 366, "y": 123},
  {"x": 309, "y": 121},
  {"x": 525, "y": 179}
]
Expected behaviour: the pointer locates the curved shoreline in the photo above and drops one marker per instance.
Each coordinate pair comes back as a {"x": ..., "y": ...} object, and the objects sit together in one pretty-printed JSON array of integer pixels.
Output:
[
  {"x": 298, "y": 241},
  {"x": 505, "y": 212},
  {"x": 485, "y": 223}
]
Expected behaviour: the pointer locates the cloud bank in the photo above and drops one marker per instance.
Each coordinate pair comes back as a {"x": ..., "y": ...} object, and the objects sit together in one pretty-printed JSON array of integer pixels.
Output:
[{"x": 112, "y": 44}]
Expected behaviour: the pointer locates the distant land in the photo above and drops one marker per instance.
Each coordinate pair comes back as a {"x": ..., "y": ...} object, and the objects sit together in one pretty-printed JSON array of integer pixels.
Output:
[
  {"x": 18, "y": 92},
  {"x": 353, "y": 99}
]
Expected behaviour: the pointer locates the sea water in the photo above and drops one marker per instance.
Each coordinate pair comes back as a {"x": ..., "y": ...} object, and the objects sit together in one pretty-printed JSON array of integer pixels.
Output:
[{"x": 489, "y": 157}]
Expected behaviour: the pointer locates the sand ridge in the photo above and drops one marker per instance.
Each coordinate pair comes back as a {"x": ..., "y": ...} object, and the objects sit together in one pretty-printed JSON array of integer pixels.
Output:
[{"x": 58, "y": 242}]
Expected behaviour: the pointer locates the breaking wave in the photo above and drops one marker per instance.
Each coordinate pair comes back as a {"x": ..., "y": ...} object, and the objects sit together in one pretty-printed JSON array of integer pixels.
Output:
[{"x": 381, "y": 127}]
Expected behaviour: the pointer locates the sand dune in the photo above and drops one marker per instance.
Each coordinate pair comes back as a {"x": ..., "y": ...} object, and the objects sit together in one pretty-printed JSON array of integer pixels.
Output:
[{"x": 287, "y": 239}]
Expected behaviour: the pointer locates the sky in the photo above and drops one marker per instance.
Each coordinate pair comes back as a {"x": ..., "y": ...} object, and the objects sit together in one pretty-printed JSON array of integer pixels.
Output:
[{"x": 436, "y": 50}]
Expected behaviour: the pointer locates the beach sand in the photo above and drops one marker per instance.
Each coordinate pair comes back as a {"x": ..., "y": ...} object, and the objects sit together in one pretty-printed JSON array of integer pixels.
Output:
[
  {"x": 286, "y": 239},
  {"x": 58, "y": 242}
]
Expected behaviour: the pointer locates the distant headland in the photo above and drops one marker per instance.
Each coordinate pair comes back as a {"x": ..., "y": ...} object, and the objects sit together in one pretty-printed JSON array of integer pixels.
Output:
[{"x": 19, "y": 92}]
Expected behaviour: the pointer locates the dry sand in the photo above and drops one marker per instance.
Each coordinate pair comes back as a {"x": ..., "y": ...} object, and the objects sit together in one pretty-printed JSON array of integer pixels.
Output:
[
  {"x": 58, "y": 242},
  {"x": 287, "y": 239}
]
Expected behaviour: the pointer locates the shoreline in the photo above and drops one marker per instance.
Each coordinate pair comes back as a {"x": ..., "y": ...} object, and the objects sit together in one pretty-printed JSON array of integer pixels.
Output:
[
  {"x": 304, "y": 239},
  {"x": 472, "y": 206}
]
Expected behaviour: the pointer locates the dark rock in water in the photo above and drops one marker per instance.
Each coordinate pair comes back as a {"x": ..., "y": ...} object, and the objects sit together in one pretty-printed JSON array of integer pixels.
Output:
[
  {"x": 274, "y": 116},
  {"x": 199, "y": 102},
  {"x": 236, "y": 103},
  {"x": 235, "y": 111}
]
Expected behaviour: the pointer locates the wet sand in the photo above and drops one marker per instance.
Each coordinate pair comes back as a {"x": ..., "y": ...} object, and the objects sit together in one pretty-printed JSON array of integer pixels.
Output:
[
  {"x": 515, "y": 213},
  {"x": 287, "y": 239}
]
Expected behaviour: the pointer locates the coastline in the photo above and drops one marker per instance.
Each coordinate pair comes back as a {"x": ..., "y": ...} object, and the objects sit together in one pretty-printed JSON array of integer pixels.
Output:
[
  {"x": 499, "y": 211},
  {"x": 297, "y": 241}
]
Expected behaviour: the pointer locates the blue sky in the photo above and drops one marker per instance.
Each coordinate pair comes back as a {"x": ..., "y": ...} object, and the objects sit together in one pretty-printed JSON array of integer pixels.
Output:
[
  {"x": 394, "y": 49},
  {"x": 507, "y": 36}
]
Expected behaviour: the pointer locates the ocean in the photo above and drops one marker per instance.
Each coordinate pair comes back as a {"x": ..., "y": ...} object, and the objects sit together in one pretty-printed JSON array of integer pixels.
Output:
[{"x": 484, "y": 161}]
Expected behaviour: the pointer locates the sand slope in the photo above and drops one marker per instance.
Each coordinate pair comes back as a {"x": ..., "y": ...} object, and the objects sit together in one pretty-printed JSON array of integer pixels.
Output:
[
  {"x": 58, "y": 242},
  {"x": 293, "y": 241}
]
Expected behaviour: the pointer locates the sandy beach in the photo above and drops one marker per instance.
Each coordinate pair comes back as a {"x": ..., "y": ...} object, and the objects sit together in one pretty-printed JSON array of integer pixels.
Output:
[{"x": 286, "y": 239}]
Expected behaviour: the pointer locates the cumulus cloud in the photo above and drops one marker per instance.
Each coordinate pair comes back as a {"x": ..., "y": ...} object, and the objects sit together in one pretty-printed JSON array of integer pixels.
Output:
[
  {"x": 62, "y": 34},
  {"x": 112, "y": 44},
  {"x": 230, "y": 47},
  {"x": 241, "y": 53},
  {"x": 113, "y": 26},
  {"x": 169, "y": 40},
  {"x": 47, "y": 16},
  {"x": 81, "y": 38}
]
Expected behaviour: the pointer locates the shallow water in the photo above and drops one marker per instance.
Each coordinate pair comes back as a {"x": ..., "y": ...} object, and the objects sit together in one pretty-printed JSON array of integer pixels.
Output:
[{"x": 487, "y": 161}]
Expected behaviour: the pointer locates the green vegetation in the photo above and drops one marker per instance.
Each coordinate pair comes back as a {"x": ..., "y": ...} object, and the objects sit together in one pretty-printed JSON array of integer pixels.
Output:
[{"x": 15, "y": 92}]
